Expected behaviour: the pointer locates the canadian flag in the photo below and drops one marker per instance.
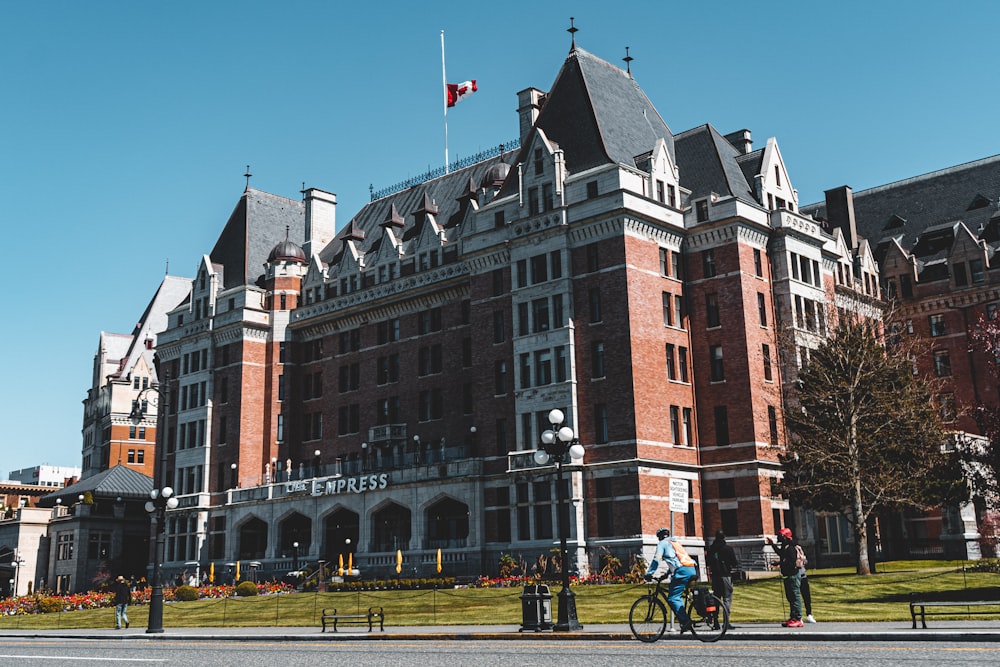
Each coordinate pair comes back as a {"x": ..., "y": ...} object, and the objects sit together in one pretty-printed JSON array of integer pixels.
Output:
[{"x": 459, "y": 91}]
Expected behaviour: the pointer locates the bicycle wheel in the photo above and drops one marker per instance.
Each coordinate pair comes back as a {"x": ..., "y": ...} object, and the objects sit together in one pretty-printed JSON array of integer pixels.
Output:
[
  {"x": 647, "y": 618},
  {"x": 712, "y": 625}
]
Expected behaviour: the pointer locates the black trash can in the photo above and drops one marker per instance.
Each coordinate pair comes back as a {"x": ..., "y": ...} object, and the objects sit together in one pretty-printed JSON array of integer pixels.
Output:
[{"x": 536, "y": 608}]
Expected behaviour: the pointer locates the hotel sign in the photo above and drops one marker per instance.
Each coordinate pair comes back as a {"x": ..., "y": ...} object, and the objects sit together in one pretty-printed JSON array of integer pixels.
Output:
[{"x": 333, "y": 486}]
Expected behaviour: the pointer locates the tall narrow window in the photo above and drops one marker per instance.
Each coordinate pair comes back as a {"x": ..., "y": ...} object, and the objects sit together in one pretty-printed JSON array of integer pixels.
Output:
[
  {"x": 762, "y": 309},
  {"x": 721, "y": 425},
  {"x": 671, "y": 362},
  {"x": 766, "y": 354},
  {"x": 675, "y": 425},
  {"x": 718, "y": 373},
  {"x": 758, "y": 263},
  {"x": 597, "y": 359},
  {"x": 595, "y": 304},
  {"x": 712, "y": 310},
  {"x": 682, "y": 363},
  {"x": 772, "y": 424},
  {"x": 668, "y": 313},
  {"x": 708, "y": 262}
]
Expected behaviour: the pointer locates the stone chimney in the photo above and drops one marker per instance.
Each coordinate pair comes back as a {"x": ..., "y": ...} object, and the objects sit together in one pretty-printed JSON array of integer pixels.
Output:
[
  {"x": 840, "y": 213},
  {"x": 741, "y": 140},
  {"x": 529, "y": 103},
  {"x": 321, "y": 220}
]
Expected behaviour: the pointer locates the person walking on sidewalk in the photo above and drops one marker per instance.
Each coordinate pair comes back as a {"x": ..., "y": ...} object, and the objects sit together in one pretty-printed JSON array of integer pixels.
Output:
[
  {"x": 681, "y": 571},
  {"x": 721, "y": 563},
  {"x": 123, "y": 596},
  {"x": 788, "y": 551}
]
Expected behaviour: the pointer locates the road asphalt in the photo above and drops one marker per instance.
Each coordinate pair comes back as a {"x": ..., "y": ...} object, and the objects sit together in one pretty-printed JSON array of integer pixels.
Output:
[{"x": 937, "y": 630}]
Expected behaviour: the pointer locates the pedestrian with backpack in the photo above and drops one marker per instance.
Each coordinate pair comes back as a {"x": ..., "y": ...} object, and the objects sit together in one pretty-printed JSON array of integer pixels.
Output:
[
  {"x": 680, "y": 567},
  {"x": 721, "y": 565},
  {"x": 791, "y": 560}
]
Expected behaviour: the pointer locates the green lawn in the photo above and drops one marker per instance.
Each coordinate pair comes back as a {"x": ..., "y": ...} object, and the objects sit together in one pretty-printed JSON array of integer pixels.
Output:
[{"x": 838, "y": 595}]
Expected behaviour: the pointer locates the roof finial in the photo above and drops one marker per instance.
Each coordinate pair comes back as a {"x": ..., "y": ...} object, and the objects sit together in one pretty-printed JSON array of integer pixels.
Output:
[
  {"x": 628, "y": 62},
  {"x": 166, "y": 272},
  {"x": 572, "y": 30},
  {"x": 287, "y": 228},
  {"x": 247, "y": 176}
]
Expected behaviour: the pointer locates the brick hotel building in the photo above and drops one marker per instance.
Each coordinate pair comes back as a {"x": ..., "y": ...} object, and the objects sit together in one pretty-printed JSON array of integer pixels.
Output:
[{"x": 383, "y": 387}]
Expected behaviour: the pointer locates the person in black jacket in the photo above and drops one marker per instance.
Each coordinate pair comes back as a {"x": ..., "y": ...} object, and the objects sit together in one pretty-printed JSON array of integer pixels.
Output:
[
  {"x": 791, "y": 576},
  {"x": 123, "y": 596},
  {"x": 722, "y": 563}
]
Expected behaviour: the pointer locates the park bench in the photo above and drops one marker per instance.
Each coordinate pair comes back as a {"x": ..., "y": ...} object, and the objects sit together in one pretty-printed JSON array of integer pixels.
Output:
[
  {"x": 950, "y": 608},
  {"x": 374, "y": 614}
]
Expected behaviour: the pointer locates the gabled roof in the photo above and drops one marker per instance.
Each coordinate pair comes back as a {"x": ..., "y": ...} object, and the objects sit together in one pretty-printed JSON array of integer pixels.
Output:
[
  {"x": 445, "y": 192},
  {"x": 597, "y": 114},
  {"x": 942, "y": 196},
  {"x": 255, "y": 226},
  {"x": 710, "y": 163},
  {"x": 111, "y": 483}
]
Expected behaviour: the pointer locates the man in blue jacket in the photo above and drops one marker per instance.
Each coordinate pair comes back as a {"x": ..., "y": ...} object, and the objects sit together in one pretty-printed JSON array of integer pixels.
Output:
[{"x": 680, "y": 574}]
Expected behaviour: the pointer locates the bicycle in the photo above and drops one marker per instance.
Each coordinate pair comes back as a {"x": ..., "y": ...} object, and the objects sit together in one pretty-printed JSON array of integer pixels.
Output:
[{"x": 709, "y": 616}]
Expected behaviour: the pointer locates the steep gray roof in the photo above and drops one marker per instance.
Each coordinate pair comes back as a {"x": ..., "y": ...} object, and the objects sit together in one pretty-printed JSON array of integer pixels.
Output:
[
  {"x": 709, "y": 163},
  {"x": 111, "y": 483},
  {"x": 444, "y": 192},
  {"x": 906, "y": 209},
  {"x": 597, "y": 114},
  {"x": 255, "y": 226},
  {"x": 171, "y": 292}
]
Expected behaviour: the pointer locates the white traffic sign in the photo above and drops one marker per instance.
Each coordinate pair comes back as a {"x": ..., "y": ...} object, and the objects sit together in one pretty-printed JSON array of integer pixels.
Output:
[{"x": 679, "y": 495}]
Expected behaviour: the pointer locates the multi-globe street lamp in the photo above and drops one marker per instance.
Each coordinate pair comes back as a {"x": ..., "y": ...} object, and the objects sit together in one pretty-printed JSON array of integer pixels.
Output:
[
  {"x": 556, "y": 443},
  {"x": 160, "y": 501}
]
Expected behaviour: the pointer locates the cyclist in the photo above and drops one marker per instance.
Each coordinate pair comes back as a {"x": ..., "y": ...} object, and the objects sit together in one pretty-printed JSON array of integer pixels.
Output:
[{"x": 680, "y": 574}]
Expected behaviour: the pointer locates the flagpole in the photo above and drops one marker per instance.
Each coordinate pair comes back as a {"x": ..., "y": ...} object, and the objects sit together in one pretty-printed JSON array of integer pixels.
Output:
[{"x": 444, "y": 97}]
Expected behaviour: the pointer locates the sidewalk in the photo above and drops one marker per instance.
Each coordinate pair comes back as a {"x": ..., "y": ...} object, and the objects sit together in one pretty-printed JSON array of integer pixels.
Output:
[{"x": 955, "y": 631}]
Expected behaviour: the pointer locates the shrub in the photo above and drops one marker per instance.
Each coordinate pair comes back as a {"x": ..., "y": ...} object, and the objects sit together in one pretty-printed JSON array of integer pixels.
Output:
[
  {"x": 246, "y": 589},
  {"x": 185, "y": 593},
  {"x": 50, "y": 605}
]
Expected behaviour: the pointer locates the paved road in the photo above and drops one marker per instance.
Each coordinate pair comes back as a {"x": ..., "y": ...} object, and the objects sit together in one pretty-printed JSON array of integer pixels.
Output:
[{"x": 449, "y": 652}]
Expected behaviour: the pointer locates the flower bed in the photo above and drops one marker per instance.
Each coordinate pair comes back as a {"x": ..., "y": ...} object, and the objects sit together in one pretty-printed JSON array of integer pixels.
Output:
[{"x": 40, "y": 604}]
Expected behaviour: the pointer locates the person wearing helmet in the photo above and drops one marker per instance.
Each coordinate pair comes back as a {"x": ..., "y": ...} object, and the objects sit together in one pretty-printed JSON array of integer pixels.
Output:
[
  {"x": 791, "y": 575},
  {"x": 680, "y": 574}
]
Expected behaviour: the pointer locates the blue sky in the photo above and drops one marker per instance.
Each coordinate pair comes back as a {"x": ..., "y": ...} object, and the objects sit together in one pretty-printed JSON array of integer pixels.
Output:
[{"x": 126, "y": 127}]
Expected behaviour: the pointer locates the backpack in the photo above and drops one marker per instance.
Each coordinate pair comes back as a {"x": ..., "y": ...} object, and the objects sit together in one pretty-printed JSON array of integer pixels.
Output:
[
  {"x": 682, "y": 554},
  {"x": 800, "y": 557}
]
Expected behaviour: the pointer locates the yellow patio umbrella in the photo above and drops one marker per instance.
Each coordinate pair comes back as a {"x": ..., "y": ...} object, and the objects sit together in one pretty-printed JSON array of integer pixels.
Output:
[
  {"x": 237, "y": 570},
  {"x": 211, "y": 573},
  {"x": 399, "y": 561},
  {"x": 439, "y": 560},
  {"x": 340, "y": 564}
]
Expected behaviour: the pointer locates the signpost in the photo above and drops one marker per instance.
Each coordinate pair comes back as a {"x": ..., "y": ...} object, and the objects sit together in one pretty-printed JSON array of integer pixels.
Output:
[{"x": 678, "y": 499}]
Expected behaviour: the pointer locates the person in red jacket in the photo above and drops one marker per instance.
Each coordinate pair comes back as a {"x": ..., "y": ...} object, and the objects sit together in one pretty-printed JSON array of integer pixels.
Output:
[{"x": 791, "y": 576}]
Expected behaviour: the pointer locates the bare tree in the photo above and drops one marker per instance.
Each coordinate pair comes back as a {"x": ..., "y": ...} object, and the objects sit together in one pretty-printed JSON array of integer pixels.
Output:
[{"x": 865, "y": 436}]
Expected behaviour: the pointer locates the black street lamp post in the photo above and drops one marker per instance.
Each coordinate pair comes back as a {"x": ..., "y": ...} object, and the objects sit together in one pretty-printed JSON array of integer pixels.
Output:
[
  {"x": 556, "y": 443},
  {"x": 161, "y": 500}
]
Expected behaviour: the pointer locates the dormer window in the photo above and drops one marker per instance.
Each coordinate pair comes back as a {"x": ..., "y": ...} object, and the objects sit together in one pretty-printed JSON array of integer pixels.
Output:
[
  {"x": 976, "y": 269},
  {"x": 539, "y": 165},
  {"x": 701, "y": 210},
  {"x": 661, "y": 195},
  {"x": 777, "y": 176},
  {"x": 532, "y": 201}
]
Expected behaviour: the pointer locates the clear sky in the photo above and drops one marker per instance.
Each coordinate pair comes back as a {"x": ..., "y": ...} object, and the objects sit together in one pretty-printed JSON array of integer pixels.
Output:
[{"x": 126, "y": 127}]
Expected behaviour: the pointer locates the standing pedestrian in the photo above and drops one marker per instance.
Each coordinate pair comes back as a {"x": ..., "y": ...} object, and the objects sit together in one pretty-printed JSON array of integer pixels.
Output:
[
  {"x": 788, "y": 556},
  {"x": 123, "y": 596},
  {"x": 806, "y": 594},
  {"x": 722, "y": 563}
]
